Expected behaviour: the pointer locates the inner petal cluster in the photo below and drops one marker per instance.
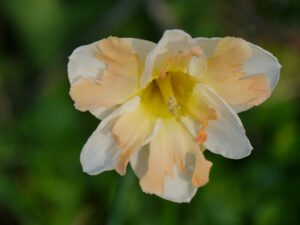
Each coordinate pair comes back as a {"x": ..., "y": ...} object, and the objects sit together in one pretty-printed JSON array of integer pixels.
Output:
[{"x": 172, "y": 93}]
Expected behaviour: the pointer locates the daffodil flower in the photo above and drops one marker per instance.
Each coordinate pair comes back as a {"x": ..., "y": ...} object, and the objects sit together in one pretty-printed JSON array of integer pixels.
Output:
[{"x": 163, "y": 104}]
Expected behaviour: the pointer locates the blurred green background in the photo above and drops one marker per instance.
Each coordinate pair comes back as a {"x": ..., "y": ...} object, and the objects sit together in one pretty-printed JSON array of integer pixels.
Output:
[{"x": 41, "y": 134}]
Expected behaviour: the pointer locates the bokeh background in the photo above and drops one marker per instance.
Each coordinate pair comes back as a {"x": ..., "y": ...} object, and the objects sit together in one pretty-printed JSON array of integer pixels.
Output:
[{"x": 41, "y": 134}]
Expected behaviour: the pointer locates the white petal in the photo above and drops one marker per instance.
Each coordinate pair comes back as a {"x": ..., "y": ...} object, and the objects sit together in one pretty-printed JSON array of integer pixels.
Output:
[
  {"x": 101, "y": 112},
  {"x": 261, "y": 62},
  {"x": 197, "y": 66},
  {"x": 100, "y": 153},
  {"x": 139, "y": 160},
  {"x": 83, "y": 63},
  {"x": 226, "y": 135},
  {"x": 179, "y": 188},
  {"x": 171, "y": 42}
]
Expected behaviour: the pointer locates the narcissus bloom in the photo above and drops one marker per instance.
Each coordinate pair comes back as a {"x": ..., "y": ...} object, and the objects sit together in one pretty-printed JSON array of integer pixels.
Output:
[{"x": 163, "y": 104}]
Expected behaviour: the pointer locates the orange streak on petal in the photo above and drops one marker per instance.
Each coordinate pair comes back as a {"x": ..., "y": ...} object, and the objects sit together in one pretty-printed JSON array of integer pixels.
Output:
[
  {"x": 202, "y": 136},
  {"x": 201, "y": 170}
]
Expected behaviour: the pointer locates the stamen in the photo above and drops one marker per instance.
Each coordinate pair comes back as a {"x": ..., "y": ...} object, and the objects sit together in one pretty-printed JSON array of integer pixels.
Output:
[
  {"x": 165, "y": 86},
  {"x": 172, "y": 106}
]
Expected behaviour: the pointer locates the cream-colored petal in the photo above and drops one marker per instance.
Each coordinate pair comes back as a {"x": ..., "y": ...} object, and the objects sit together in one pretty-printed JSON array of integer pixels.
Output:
[
  {"x": 226, "y": 135},
  {"x": 262, "y": 69},
  {"x": 224, "y": 74},
  {"x": 190, "y": 125},
  {"x": 119, "y": 82},
  {"x": 88, "y": 94},
  {"x": 170, "y": 44},
  {"x": 155, "y": 131},
  {"x": 100, "y": 153},
  {"x": 130, "y": 132},
  {"x": 241, "y": 92},
  {"x": 201, "y": 170},
  {"x": 227, "y": 58},
  {"x": 178, "y": 188},
  {"x": 142, "y": 47},
  {"x": 83, "y": 63},
  {"x": 169, "y": 148},
  {"x": 114, "y": 64}
]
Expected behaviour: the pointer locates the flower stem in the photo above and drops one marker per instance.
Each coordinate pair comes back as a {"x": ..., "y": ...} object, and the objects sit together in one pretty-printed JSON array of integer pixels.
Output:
[{"x": 121, "y": 199}]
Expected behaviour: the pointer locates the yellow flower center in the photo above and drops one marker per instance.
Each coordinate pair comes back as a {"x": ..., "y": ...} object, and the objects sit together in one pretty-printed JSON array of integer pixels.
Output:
[
  {"x": 171, "y": 94},
  {"x": 165, "y": 96}
]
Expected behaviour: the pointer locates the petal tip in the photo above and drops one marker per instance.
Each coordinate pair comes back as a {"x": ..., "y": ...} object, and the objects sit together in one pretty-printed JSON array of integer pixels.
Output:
[{"x": 244, "y": 154}]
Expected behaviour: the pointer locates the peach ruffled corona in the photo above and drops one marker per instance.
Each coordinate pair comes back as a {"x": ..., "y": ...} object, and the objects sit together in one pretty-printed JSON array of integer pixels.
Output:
[{"x": 163, "y": 104}]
